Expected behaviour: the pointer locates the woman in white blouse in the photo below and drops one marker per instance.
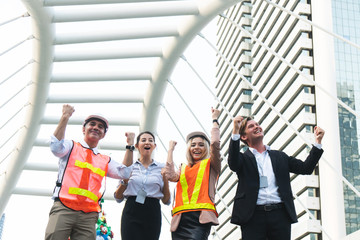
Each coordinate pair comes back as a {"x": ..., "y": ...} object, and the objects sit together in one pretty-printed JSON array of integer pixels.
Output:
[{"x": 141, "y": 217}]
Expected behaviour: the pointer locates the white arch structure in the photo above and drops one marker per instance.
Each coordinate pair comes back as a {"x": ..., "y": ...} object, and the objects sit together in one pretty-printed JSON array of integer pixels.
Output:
[{"x": 194, "y": 16}]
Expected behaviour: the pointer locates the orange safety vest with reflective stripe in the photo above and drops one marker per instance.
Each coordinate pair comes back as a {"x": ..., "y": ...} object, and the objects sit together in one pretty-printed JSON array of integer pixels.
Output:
[
  {"x": 192, "y": 189},
  {"x": 83, "y": 183}
]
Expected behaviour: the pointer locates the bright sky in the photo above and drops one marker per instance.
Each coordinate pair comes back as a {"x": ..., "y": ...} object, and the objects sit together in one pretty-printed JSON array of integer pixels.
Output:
[{"x": 27, "y": 216}]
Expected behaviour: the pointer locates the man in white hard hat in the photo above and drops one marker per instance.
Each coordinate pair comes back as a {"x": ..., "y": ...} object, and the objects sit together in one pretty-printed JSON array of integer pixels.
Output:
[{"x": 81, "y": 178}]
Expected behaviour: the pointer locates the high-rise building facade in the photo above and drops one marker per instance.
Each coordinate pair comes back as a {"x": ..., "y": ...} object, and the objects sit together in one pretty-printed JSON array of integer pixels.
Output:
[
  {"x": 2, "y": 222},
  {"x": 281, "y": 70}
]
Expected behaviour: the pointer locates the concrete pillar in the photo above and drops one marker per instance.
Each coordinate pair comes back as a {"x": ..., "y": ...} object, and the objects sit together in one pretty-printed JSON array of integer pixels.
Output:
[{"x": 331, "y": 186}]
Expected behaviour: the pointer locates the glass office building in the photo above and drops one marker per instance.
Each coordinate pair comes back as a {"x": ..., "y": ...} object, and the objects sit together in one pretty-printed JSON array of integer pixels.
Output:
[
  {"x": 346, "y": 22},
  {"x": 2, "y": 222}
]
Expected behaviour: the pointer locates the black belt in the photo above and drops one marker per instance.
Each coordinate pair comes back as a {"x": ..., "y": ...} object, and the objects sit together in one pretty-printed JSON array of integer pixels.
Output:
[{"x": 269, "y": 207}]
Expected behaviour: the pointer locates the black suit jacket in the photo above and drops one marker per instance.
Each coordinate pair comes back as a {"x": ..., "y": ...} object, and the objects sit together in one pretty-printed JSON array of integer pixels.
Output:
[{"x": 244, "y": 165}]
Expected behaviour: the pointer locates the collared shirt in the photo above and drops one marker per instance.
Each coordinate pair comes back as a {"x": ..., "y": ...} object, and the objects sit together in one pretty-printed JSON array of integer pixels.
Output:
[
  {"x": 148, "y": 179},
  {"x": 62, "y": 149},
  {"x": 269, "y": 194}
]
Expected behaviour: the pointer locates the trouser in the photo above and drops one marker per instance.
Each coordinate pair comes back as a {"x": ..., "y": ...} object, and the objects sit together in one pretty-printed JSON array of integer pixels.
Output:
[
  {"x": 64, "y": 223},
  {"x": 141, "y": 221},
  {"x": 268, "y": 225},
  {"x": 190, "y": 228}
]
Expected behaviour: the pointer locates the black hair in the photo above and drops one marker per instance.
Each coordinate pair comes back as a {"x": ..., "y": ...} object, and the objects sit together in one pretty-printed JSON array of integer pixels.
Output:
[{"x": 142, "y": 133}]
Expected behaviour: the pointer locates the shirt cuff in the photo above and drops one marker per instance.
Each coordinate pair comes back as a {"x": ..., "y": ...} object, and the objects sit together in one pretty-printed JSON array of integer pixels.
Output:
[
  {"x": 318, "y": 145},
  {"x": 235, "y": 137}
]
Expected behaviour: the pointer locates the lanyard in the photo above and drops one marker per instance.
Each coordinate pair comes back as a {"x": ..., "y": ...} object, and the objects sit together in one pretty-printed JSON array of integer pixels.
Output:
[
  {"x": 261, "y": 162},
  {"x": 144, "y": 177}
]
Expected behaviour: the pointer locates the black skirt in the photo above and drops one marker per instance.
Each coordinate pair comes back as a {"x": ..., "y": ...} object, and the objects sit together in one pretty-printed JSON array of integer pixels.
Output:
[
  {"x": 141, "y": 221},
  {"x": 190, "y": 228}
]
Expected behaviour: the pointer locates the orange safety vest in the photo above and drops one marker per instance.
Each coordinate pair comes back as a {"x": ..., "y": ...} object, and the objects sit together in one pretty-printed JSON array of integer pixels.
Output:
[
  {"x": 192, "y": 189},
  {"x": 83, "y": 183}
]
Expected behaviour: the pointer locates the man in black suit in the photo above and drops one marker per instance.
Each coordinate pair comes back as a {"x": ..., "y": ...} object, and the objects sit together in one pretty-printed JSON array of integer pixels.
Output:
[{"x": 263, "y": 205}]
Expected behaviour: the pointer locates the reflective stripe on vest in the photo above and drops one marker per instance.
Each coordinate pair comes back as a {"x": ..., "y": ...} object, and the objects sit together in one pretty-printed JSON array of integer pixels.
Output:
[
  {"x": 84, "y": 176},
  {"x": 89, "y": 166},
  {"x": 84, "y": 193},
  {"x": 199, "y": 198}
]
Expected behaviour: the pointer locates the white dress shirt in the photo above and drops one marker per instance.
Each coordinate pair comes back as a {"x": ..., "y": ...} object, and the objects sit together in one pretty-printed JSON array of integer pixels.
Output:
[
  {"x": 148, "y": 179},
  {"x": 269, "y": 194}
]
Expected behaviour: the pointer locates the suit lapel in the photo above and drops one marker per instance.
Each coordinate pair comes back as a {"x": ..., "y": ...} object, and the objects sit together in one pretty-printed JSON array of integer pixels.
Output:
[
  {"x": 250, "y": 155},
  {"x": 273, "y": 161}
]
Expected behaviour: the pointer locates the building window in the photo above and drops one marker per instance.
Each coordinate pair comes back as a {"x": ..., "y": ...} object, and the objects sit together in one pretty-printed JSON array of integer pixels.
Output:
[
  {"x": 247, "y": 40},
  {"x": 246, "y": 15},
  {"x": 305, "y": 16},
  {"x": 305, "y": 52},
  {"x": 305, "y": 1},
  {"x": 304, "y": 34},
  {"x": 248, "y": 28},
  {"x": 247, "y": 52},
  {"x": 247, "y": 92},
  {"x": 307, "y": 70},
  {"x": 311, "y": 192},
  {"x": 247, "y": 105}
]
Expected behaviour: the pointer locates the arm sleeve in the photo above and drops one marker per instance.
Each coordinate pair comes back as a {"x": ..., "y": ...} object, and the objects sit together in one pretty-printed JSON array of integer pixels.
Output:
[
  {"x": 60, "y": 148},
  {"x": 170, "y": 172},
  {"x": 215, "y": 156},
  {"x": 305, "y": 167},
  {"x": 118, "y": 170},
  {"x": 234, "y": 155}
]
